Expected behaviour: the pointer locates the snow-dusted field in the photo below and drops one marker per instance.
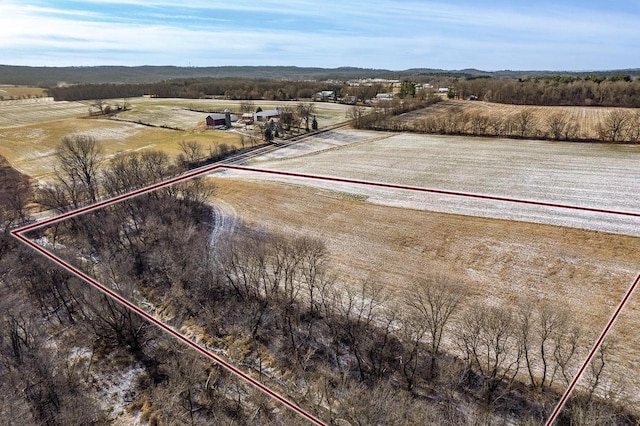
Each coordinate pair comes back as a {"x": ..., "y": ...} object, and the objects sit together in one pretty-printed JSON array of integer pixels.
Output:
[
  {"x": 319, "y": 143},
  {"x": 164, "y": 116},
  {"x": 34, "y": 111},
  {"x": 585, "y": 175}
]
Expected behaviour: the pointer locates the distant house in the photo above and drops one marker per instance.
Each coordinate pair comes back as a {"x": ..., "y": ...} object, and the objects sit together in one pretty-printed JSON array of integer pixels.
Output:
[
  {"x": 349, "y": 100},
  {"x": 264, "y": 116},
  {"x": 219, "y": 120},
  {"x": 384, "y": 96},
  {"x": 325, "y": 95},
  {"x": 443, "y": 90}
]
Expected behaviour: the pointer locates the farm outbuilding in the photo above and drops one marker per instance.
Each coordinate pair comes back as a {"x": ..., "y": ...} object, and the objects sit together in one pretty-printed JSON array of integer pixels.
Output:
[
  {"x": 247, "y": 117},
  {"x": 384, "y": 96},
  {"x": 264, "y": 116},
  {"x": 218, "y": 120},
  {"x": 325, "y": 95}
]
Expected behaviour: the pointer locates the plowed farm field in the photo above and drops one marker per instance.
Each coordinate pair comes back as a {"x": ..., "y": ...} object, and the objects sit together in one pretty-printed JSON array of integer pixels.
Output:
[
  {"x": 504, "y": 262},
  {"x": 10, "y": 92},
  {"x": 42, "y": 110},
  {"x": 593, "y": 176},
  {"x": 508, "y": 252}
]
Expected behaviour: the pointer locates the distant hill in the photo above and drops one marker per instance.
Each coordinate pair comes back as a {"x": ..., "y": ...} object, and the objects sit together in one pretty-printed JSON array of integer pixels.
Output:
[{"x": 52, "y": 76}]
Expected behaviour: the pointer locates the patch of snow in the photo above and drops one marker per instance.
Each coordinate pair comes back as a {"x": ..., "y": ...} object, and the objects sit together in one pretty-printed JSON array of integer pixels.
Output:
[
  {"x": 45, "y": 243},
  {"x": 117, "y": 391},
  {"x": 114, "y": 131}
]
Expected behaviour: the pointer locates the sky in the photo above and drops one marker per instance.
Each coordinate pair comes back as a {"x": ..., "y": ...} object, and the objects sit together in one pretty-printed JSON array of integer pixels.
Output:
[{"x": 489, "y": 35}]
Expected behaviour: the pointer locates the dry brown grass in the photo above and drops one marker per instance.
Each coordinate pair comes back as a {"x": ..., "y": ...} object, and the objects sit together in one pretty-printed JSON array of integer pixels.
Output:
[
  {"x": 15, "y": 92},
  {"x": 587, "y": 118},
  {"x": 30, "y": 148},
  {"x": 504, "y": 262}
]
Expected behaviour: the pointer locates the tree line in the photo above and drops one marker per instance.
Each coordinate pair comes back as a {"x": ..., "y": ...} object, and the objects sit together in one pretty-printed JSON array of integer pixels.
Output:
[
  {"x": 615, "y": 91},
  {"x": 616, "y": 126},
  {"x": 380, "y": 117},
  {"x": 354, "y": 353},
  {"x": 229, "y": 88}
]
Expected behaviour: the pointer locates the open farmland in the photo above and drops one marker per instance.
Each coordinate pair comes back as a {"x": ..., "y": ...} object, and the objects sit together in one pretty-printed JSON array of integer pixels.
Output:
[
  {"x": 158, "y": 115},
  {"x": 586, "y": 119},
  {"x": 181, "y": 113},
  {"x": 506, "y": 263},
  {"x": 30, "y": 148},
  {"x": 9, "y": 91},
  {"x": 33, "y": 111},
  {"x": 587, "y": 175}
]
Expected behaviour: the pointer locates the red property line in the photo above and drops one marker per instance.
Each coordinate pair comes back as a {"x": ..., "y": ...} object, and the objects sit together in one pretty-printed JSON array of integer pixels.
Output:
[
  {"x": 431, "y": 190},
  {"x": 190, "y": 175},
  {"x": 595, "y": 348},
  {"x": 201, "y": 171}
]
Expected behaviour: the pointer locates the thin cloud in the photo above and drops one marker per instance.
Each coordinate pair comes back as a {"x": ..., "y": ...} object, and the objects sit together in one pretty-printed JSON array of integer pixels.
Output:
[{"x": 383, "y": 34}]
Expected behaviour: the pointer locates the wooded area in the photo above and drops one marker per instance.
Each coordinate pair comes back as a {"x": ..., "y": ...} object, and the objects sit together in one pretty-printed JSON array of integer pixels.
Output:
[
  {"x": 347, "y": 353},
  {"x": 615, "y": 91},
  {"x": 229, "y": 88}
]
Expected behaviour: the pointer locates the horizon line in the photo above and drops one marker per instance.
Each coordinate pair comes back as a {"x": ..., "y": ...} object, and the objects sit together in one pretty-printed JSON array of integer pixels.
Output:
[{"x": 342, "y": 67}]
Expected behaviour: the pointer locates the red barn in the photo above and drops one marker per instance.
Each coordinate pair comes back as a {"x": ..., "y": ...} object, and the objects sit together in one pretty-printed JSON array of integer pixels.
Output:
[
  {"x": 220, "y": 120},
  {"x": 215, "y": 120}
]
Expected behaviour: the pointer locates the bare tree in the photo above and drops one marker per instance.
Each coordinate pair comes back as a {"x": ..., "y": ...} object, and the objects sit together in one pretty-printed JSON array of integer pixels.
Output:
[
  {"x": 614, "y": 126},
  {"x": 313, "y": 265},
  {"x": 488, "y": 339},
  {"x": 305, "y": 111},
  {"x": 286, "y": 117},
  {"x": 191, "y": 152},
  {"x": 525, "y": 122},
  {"x": 39, "y": 383},
  {"x": 100, "y": 105},
  {"x": 479, "y": 123},
  {"x": 359, "y": 309},
  {"x": 433, "y": 301},
  {"x": 132, "y": 170},
  {"x": 76, "y": 177},
  {"x": 247, "y": 107},
  {"x": 543, "y": 330},
  {"x": 15, "y": 195},
  {"x": 557, "y": 124},
  {"x": 633, "y": 128},
  {"x": 356, "y": 114},
  {"x": 497, "y": 126},
  {"x": 412, "y": 332},
  {"x": 595, "y": 373}
]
